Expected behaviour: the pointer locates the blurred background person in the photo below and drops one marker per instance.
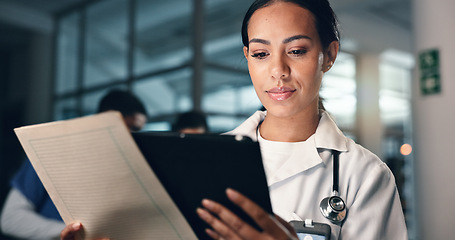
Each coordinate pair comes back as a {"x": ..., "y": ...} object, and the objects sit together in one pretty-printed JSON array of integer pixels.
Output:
[
  {"x": 130, "y": 106},
  {"x": 194, "y": 122},
  {"x": 28, "y": 212}
]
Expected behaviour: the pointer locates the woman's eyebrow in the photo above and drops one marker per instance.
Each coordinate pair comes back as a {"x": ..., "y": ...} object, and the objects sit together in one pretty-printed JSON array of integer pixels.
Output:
[
  {"x": 258, "y": 40},
  {"x": 296, "y": 37},
  {"x": 287, "y": 40}
]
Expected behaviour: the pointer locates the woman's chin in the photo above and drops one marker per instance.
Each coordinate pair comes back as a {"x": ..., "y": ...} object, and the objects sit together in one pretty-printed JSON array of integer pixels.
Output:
[{"x": 280, "y": 112}]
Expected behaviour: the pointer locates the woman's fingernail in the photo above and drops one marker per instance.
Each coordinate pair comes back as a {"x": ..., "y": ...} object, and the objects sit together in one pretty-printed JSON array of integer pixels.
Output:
[
  {"x": 232, "y": 194},
  {"x": 76, "y": 226},
  {"x": 202, "y": 213},
  {"x": 207, "y": 203}
]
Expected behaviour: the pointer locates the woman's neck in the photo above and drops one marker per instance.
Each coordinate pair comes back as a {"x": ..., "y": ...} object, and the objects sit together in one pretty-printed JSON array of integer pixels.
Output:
[{"x": 289, "y": 129}]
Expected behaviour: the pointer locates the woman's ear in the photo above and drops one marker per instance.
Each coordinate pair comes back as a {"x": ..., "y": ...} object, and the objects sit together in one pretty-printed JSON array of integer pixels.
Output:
[
  {"x": 331, "y": 55},
  {"x": 245, "y": 52}
]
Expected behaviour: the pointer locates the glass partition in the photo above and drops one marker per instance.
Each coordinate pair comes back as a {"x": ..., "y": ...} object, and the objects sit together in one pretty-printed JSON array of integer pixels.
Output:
[
  {"x": 67, "y": 55},
  {"x": 339, "y": 91},
  {"x": 66, "y": 109},
  {"x": 166, "y": 94},
  {"x": 106, "y": 42},
  {"x": 148, "y": 48},
  {"x": 163, "y": 36}
]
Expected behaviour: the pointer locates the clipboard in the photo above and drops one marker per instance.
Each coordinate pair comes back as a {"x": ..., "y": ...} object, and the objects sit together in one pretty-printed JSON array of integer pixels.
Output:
[{"x": 196, "y": 166}]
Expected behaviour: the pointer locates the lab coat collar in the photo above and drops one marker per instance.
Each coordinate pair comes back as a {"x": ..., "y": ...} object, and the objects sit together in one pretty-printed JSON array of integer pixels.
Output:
[
  {"x": 249, "y": 127},
  {"x": 327, "y": 137},
  {"x": 296, "y": 164}
]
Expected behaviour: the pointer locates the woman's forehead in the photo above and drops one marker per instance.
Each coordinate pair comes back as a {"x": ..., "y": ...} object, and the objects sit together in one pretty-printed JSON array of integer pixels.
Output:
[{"x": 282, "y": 18}]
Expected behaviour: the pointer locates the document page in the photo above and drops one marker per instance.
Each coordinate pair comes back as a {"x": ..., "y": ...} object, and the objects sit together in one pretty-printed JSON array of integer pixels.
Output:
[{"x": 95, "y": 174}]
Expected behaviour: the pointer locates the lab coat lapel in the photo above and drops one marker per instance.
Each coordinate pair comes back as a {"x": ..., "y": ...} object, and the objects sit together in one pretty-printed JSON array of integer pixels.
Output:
[
  {"x": 296, "y": 163},
  {"x": 328, "y": 135},
  {"x": 249, "y": 127}
]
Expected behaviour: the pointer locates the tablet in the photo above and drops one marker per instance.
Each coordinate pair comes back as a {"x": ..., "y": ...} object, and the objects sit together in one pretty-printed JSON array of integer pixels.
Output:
[{"x": 196, "y": 166}]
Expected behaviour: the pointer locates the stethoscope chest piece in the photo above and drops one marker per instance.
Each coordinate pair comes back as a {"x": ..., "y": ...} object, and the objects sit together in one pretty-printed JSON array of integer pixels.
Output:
[{"x": 333, "y": 208}]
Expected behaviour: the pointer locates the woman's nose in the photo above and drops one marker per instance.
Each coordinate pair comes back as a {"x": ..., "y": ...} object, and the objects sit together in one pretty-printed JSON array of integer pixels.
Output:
[{"x": 280, "y": 68}]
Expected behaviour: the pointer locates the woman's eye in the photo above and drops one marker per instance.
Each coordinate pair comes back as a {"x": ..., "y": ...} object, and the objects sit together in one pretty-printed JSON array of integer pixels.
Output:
[
  {"x": 260, "y": 55},
  {"x": 297, "y": 52}
]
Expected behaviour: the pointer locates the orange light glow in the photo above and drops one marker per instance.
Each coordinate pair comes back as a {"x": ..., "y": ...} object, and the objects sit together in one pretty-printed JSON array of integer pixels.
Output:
[{"x": 406, "y": 149}]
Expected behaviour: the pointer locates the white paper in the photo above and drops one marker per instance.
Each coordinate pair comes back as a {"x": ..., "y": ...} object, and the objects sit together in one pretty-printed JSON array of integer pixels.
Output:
[{"x": 95, "y": 174}]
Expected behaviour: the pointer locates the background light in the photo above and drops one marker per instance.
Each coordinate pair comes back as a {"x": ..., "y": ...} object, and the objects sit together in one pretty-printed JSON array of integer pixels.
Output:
[{"x": 405, "y": 149}]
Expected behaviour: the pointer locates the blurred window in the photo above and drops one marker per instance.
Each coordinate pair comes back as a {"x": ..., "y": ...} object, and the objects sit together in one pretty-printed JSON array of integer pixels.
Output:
[
  {"x": 67, "y": 55},
  {"x": 148, "y": 47},
  {"x": 395, "y": 88},
  {"x": 339, "y": 92},
  {"x": 163, "y": 35},
  {"x": 395, "y": 72},
  {"x": 166, "y": 94},
  {"x": 106, "y": 42}
]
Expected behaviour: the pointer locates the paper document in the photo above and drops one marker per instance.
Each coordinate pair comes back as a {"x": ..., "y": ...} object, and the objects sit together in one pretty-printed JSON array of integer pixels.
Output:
[{"x": 95, "y": 174}]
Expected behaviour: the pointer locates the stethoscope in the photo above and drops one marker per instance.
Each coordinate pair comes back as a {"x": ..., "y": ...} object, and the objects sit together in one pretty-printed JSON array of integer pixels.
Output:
[{"x": 333, "y": 208}]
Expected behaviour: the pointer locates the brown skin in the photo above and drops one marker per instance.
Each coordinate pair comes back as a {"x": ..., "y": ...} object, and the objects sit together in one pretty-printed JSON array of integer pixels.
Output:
[
  {"x": 73, "y": 231},
  {"x": 285, "y": 51},
  {"x": 226, "y": 225},
  {"x": 135, "y": 122},
  {"x": 286, "y": 62},
  {"x": 278, "y": 58}
]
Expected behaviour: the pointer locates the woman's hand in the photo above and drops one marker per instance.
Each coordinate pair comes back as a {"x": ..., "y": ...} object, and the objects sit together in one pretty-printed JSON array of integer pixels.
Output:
[
  {"x": 226, "y": 225},
  {"x": 73, "y": 231}
]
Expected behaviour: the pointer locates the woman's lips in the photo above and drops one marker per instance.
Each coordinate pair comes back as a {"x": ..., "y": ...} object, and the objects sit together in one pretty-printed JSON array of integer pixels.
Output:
[{"x": 281, "y": 93}]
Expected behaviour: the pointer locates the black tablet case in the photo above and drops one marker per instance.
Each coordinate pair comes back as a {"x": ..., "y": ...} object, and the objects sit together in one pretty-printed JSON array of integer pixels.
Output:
[{"x": 196, "y": 166}]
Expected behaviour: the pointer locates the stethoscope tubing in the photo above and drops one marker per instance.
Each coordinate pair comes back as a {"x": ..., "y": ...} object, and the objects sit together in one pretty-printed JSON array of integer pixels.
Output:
[
  {"x": 333, "y": 208},
  {"x": 336, "y": 170}
]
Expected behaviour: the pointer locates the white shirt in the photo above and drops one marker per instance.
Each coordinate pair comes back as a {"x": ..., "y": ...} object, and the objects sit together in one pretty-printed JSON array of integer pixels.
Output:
[
  {"x": 299, "y": 183},
  {"x": 19, "y": 219}
]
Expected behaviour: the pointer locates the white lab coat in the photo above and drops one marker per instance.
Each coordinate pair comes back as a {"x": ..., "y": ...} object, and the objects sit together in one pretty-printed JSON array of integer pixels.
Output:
[{"x": 365, "y": 183}]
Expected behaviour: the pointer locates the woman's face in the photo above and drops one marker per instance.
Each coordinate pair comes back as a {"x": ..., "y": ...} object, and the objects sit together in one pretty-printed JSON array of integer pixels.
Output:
[{"x": 286, "y": 60}]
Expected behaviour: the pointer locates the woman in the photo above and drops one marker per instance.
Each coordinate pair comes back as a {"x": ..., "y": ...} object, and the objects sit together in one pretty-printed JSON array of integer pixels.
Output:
[{"x": 289, "y": 45}]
